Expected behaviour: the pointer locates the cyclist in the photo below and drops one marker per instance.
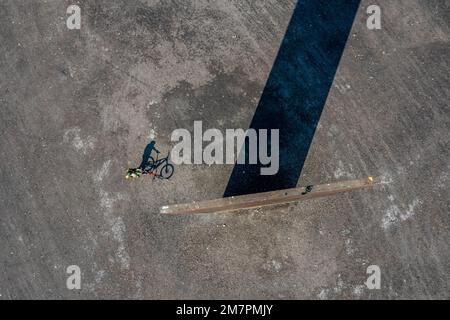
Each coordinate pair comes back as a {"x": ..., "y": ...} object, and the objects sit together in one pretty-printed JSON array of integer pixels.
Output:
[{"x": 133, "y": 173}]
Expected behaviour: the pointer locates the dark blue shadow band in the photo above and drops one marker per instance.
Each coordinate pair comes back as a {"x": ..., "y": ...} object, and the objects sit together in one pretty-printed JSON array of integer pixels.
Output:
[{"x": 297, "y": 89}]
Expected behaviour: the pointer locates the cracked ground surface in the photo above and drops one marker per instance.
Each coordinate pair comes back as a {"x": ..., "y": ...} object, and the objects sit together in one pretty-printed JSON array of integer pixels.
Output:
[{"x": 78, "y": 107}]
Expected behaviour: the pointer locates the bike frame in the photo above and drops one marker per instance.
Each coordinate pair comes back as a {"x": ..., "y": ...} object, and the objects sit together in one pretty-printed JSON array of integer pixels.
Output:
[{"x": 158, "y": 162}]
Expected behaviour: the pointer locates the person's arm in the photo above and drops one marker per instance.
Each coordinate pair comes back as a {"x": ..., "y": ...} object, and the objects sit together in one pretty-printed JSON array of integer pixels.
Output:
[{"x": 157, "y": 151}]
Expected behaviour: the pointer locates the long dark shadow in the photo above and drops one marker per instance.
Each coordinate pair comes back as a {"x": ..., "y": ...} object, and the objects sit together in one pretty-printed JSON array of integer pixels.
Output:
[{"x": 296, "y": 90}]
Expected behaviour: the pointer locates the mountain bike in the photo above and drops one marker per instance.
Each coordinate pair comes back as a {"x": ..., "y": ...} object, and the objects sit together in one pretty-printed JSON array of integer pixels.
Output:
[{"x": 159, "y": 168}]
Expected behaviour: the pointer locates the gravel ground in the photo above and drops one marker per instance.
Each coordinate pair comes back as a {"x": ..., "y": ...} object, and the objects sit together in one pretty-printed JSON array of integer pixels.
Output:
[{"x": 79, "y": 106}]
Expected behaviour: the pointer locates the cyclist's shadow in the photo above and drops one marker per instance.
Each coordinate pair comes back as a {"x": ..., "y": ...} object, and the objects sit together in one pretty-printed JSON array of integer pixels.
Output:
[
  {"x": 160, "y": 168},
  {"x": 147, "y": 154}
]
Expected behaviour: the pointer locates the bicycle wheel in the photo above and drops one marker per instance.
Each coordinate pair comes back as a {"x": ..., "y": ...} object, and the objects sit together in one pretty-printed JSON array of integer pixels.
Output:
[
  {"x": 166, "y": 171},
  {"x": 150, "y": 164}
]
